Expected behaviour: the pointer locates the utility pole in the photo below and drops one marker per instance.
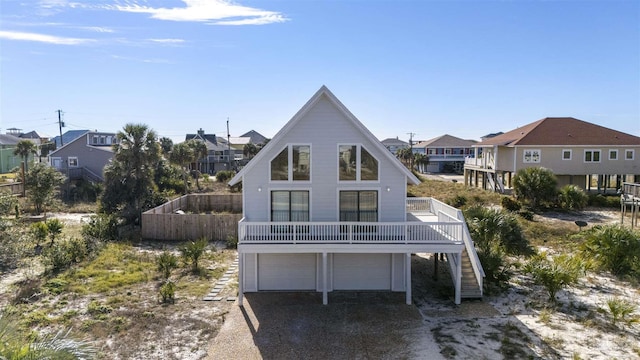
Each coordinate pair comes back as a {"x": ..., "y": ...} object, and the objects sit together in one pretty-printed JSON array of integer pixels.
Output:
[
  {"x": 60, "y": 125},
  {"x": 228, "y": 144},
  {"x": 411, "y": 150}
]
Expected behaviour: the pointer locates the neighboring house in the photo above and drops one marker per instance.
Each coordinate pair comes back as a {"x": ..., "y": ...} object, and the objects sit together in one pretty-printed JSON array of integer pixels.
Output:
[
  {"x": 85, "y": 157},
  {"x": 575, "y": 150},
  {"x": 67, "y": 137},
  {"x": 446, "y": 153},
  {"x": 9, "y": 161},
  {"x": 255, "y": 137},
  {"x": 394, "y": 144},
  {"x": 325, "y": 208},
  {"x": 219, "y": 148}
]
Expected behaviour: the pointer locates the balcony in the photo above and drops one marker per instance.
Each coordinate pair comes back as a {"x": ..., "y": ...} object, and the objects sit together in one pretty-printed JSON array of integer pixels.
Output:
[{"x": 430, "y": 225}]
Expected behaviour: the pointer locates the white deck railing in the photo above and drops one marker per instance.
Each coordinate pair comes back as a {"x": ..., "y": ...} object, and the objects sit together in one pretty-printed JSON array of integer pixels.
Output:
[{"x": 350, "y": 232}]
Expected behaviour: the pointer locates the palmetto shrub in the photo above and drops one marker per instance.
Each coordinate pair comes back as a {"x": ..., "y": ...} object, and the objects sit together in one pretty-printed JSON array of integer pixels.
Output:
[
  {"x": 166, "y": 262},
  {"x": 554, "y": 273},
  {"x": 614, "y": 248},
  {"x": 571, "y": 197},
  {"x": 535, "y": 187},
  {"x": 192, "y": 251}
]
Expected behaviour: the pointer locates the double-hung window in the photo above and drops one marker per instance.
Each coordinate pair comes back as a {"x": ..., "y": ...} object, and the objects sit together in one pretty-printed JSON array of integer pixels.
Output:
[
  {"x": 355, "y": 163},
  {"x": 613, "y": 154}
]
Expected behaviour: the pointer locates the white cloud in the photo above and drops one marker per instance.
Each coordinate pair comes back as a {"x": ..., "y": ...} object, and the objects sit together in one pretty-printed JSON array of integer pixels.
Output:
[
  {"x": 99, "y": 29},
  {"x": 219, "y": 12},
  {"x": 167, "y": 41},
  {"x": 23, "y": 36}
]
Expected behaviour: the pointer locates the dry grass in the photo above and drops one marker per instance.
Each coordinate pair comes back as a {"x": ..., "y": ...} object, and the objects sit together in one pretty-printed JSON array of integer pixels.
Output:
[{"x": 446, "y": 191}]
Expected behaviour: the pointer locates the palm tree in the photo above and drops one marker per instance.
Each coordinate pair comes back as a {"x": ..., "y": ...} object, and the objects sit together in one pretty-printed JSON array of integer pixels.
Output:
[
  {"x": 16, "y": 345},
  {"x": 404, "y": 155},
  {"x": 249, "y": 150},
  {"x": 166, "y": 144},
  {"x": 200, "y": 151},
  {"x": 182, "y": 155},
  {"x": 420, "y": 161},
  {"x": 24, "y": 148},
  {"x": 129, "y": 178}
]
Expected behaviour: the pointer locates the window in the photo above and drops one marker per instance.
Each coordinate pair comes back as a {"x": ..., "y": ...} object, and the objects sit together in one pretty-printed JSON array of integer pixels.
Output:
[
  {"x": 629, "y": 154},
  {"x": 103, "y": 139},
  {"x": 293, "y": 163},
  {"x": 531, "y": 156},
  {"x": 613, "y": 154},
  {"x": 566, "y": 154},
  {"x": 289, "y": 205},
  {"x": 359, "y": 206},
  {"x": 592, "y": 156},
  {"x": 94, "y": 139},
  {"x": 73, "y": 162},
  {"x": 355, "y": 163}
]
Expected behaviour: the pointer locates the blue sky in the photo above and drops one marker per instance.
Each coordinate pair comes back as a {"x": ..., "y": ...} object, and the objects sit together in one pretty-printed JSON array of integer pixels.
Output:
[{"x": 466, "y": 68}]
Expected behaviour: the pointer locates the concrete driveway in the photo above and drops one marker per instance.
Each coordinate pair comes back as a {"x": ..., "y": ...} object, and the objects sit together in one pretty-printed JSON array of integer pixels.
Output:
[{"x": 354, "y": 325}]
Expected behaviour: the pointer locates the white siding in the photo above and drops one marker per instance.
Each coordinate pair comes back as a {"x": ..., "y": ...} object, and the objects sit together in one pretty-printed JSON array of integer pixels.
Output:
[{"x": 324, "y": 127}]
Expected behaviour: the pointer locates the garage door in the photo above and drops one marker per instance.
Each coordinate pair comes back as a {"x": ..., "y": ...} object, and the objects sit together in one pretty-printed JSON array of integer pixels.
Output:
[
  {"x": 362, "y": 271},
  {"x": 286, "y": 272}
]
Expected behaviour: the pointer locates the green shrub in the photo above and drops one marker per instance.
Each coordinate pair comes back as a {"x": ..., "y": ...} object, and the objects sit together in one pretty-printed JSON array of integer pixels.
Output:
[
  {"x": 166, "y": 262},
  {"x": 535, "y": 187},
  {"x": 167, "y": 292},
  {"x": 608, "y": 201},
  {"x": 54, "y": 228},
  {"x": 571, "y": 197},
  {"x": 496, "y": 266},
  {"x": 57, "y": 257},
  {"x": 510, "y": 204},
  {"x": 615, "y": 248},
  {"x": 620, "y": 309},
  {"x": 232, "y": 242},
  {"x": 95, "y": 307},
  {"x": 192, "y": 251},
  {"x": 39, "y": 231},
  {"x": 526, "y": 214},
  {"x": 555, "y": 273},
  {"x": 487, "y": 225},
  {"x": 8, "y": 202},
  {"x": 224, "y": 175},
  {"x": 101, "y": 227}
]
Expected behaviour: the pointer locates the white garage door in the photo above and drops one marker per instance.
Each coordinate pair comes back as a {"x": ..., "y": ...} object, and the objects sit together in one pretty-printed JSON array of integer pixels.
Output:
[
  {"x": 362, "y": 271},
  {"x": 286, "y": 272}
]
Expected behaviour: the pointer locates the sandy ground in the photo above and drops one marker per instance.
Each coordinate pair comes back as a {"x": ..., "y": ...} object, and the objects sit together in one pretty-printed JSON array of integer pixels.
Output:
[{"x": 518, "y": 324}]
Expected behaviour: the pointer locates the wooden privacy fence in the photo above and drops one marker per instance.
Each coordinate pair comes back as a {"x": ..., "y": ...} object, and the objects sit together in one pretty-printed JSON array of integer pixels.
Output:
[{"x": 214, "y": 217}]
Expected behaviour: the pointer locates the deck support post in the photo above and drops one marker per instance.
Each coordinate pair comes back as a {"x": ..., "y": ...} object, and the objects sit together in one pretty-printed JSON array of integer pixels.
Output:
[
  {"x": 408, "y": 277},
  {"x": 325, "y": 295},
  {"x": 240, "y": 282},
  {"x": 458, "y": 277}
]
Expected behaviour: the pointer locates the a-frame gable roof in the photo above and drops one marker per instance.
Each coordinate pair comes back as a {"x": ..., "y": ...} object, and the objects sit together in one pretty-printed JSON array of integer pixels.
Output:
[
  {"x": 326, "y": 93},
  {"x": 561, "y": 131}
]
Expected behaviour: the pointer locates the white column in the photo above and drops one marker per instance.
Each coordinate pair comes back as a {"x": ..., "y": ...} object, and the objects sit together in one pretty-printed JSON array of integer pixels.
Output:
[
  {"x": 325, "y": 295},
  {"x": 407, "y": 267},
  {"x": 458, "y": 277},
  {"x": 240, "y": 282}
]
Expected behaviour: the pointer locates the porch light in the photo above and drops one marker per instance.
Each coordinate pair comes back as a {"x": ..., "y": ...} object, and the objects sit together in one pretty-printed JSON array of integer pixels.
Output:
[
  {"x": 388, "y": 188},
  {"x": 259, "y": 189}
]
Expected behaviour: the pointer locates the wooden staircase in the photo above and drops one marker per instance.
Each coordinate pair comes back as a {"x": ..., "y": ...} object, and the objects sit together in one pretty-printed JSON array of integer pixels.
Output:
[{"x": 470, "y": 289}]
